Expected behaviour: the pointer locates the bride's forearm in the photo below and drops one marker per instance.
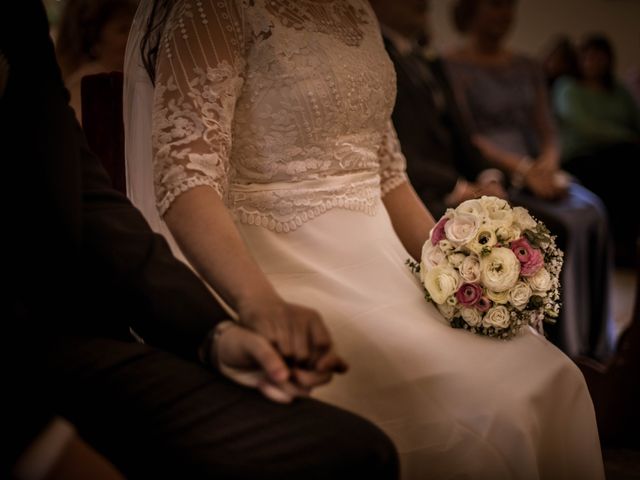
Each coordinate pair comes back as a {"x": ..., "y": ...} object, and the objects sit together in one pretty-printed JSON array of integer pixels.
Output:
[
  {"x": 410, "y": 218},
  {"x": 207, "y": 235},
  {"x": 209, "y": 239}
]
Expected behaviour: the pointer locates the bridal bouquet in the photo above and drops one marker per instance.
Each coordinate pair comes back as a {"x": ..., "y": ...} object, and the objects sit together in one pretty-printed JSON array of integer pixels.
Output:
[{"x": 491, "y": 268}]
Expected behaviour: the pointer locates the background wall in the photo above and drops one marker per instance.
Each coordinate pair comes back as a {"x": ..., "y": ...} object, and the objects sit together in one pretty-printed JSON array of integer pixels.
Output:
[{"x": 539, "y": 21}]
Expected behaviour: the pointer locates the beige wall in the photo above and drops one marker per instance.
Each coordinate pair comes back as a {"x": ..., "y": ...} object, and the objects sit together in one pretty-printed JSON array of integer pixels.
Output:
[{"x": 539, "y": 21}]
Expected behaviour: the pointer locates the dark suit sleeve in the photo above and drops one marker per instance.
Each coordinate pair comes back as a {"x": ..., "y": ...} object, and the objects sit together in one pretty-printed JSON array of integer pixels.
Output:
[
  {"x": 436, "y": 142},
  {"x": 469, "y": 161},
  {"x": 157, "y": 295},
  {"x": 428, "y": 167},
  {"x": 78, "y": 257},
  {"x": 431, "y": 180},
  {"x": 80, "y": 252}
]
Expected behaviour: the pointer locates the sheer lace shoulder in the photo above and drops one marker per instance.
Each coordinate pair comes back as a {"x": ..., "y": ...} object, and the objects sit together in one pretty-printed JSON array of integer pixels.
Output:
[
  {"x": 282, "y": 106},
  {"x": 199, "y": 76}
]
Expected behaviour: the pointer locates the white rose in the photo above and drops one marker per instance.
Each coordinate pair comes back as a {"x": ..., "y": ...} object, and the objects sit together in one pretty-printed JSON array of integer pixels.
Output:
[
  {"x": 446, "y": 246},
  {"x": 498, "y": 210},
  {"x": 424, "y": 268},
  {"x": 447, "y": 311},
  {"x": 441, "y": 282},
  {"x": 456, "y": 259},
  {"x": 494, "y": 204},
  {"x": 522, "y": 219},
  {"x": 498, "y": 297},
  {"x": 431, "y": 256},
  {"x": 485, "y": 238},
  {"x": 470, "y": 269},
  {"x": 540, "y": 282},
  {"x": 471, "y": 316},
  {"x": 499, "y": 270},
  {"x": 508, "y": 233},
  {"x": 474, "y": 207},
  {"x": 462, "y": 228},
  {"x": 519, "y": 295},
  {"x": 497, "y": 317}
]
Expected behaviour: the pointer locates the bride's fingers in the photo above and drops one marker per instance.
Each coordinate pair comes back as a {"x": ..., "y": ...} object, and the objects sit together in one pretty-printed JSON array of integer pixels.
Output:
[
  {"x": 319, "y": 340},
  {"x": 300, "y": 343},
  {"x": 320, "y": 337},
  {"x": 283, "y": 337},
  {"x": 309, "y": 379},
  {"x": 331, "y": 362}
]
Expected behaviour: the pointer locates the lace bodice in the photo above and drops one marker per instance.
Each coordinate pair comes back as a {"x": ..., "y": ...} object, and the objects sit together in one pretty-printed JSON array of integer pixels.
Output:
[{"x": 282, "y": 106}]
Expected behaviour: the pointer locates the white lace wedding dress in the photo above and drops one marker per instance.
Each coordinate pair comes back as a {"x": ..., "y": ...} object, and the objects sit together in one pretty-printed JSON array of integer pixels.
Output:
[{"x": 283, "y": 107}]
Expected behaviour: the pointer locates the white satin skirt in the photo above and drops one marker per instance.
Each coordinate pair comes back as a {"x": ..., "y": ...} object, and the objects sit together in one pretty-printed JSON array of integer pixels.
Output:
[{"x": 456, "y": 405}]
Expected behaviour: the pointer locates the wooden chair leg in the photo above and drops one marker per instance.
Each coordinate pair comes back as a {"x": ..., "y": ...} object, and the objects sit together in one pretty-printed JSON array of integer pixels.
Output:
[{"x": 615, "y": 387}]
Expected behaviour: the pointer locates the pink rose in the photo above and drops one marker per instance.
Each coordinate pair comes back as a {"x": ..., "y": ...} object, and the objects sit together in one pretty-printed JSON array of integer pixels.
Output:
[
  {"x": 483, "y": 304},
  {"x": 531, "y": 259},
  {"x": 468, "y": 294},
  {"x": 438, "y": 231},
  {"x": 535, "y": 263}
]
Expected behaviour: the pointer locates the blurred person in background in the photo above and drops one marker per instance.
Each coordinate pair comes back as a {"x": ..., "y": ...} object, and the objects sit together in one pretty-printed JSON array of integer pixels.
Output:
[
  {"x": 632, "y": 81},
  {"x": 599, "y": 125},
  {"x": 503, "y": 96},
  {"x": 561, "y": 59}
]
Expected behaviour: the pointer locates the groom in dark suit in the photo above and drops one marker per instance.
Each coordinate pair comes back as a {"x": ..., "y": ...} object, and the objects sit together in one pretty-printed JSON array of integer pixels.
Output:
[
  {"x": 82, "y": 268},
  {"x": 442, "y": 163}
]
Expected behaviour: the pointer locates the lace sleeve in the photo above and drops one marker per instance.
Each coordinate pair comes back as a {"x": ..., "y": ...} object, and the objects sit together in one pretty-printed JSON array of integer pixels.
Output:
[
  {"x": 393, "y": 165},
  {"x": 199, "y": 74}
]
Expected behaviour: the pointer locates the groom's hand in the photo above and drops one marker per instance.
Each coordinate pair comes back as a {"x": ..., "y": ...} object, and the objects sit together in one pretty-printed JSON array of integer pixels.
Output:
[
  {"x": 251, "y": 360},
  {"x": 297, "y": 332}
]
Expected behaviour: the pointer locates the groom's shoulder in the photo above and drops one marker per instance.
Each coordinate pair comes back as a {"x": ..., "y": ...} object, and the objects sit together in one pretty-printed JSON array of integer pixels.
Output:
[
  {"x": 18, "y": 22},
  {"x": 24, "y": 32}
]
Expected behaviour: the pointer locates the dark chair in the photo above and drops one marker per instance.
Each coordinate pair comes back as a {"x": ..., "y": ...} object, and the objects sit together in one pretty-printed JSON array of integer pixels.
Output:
[
  {"x": 102, "y": 122},
  {"x": 615, "y": 387}
]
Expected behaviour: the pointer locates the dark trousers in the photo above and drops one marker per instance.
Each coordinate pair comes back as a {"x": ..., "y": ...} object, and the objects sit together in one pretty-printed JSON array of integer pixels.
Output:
[{"x": 157, "y": 415}]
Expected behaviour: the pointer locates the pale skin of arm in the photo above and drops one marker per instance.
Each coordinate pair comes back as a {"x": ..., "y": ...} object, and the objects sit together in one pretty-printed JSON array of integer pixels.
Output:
[
  {"x": 410, "y": 218},
  {"x": 239, "y": 279},
  {"x": 224, "y": 261}
]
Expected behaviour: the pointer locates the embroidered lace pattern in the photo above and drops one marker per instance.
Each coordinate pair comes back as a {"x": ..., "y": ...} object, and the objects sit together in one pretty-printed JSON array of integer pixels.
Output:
[{"x": 282, "y": 106}]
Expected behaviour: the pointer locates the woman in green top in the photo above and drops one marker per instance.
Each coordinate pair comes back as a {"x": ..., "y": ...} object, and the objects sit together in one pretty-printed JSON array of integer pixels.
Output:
[{"x": 599, "y": 125}]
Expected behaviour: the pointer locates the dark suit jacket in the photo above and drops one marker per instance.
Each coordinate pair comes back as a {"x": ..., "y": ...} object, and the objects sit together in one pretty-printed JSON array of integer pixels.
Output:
[
  {"x": 79, "y": 258},
  {"x": 434, "y": 140}
]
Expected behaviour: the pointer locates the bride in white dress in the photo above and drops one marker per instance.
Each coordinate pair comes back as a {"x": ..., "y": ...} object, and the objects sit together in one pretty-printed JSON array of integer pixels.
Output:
[{"x": 266, "y": 146}]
